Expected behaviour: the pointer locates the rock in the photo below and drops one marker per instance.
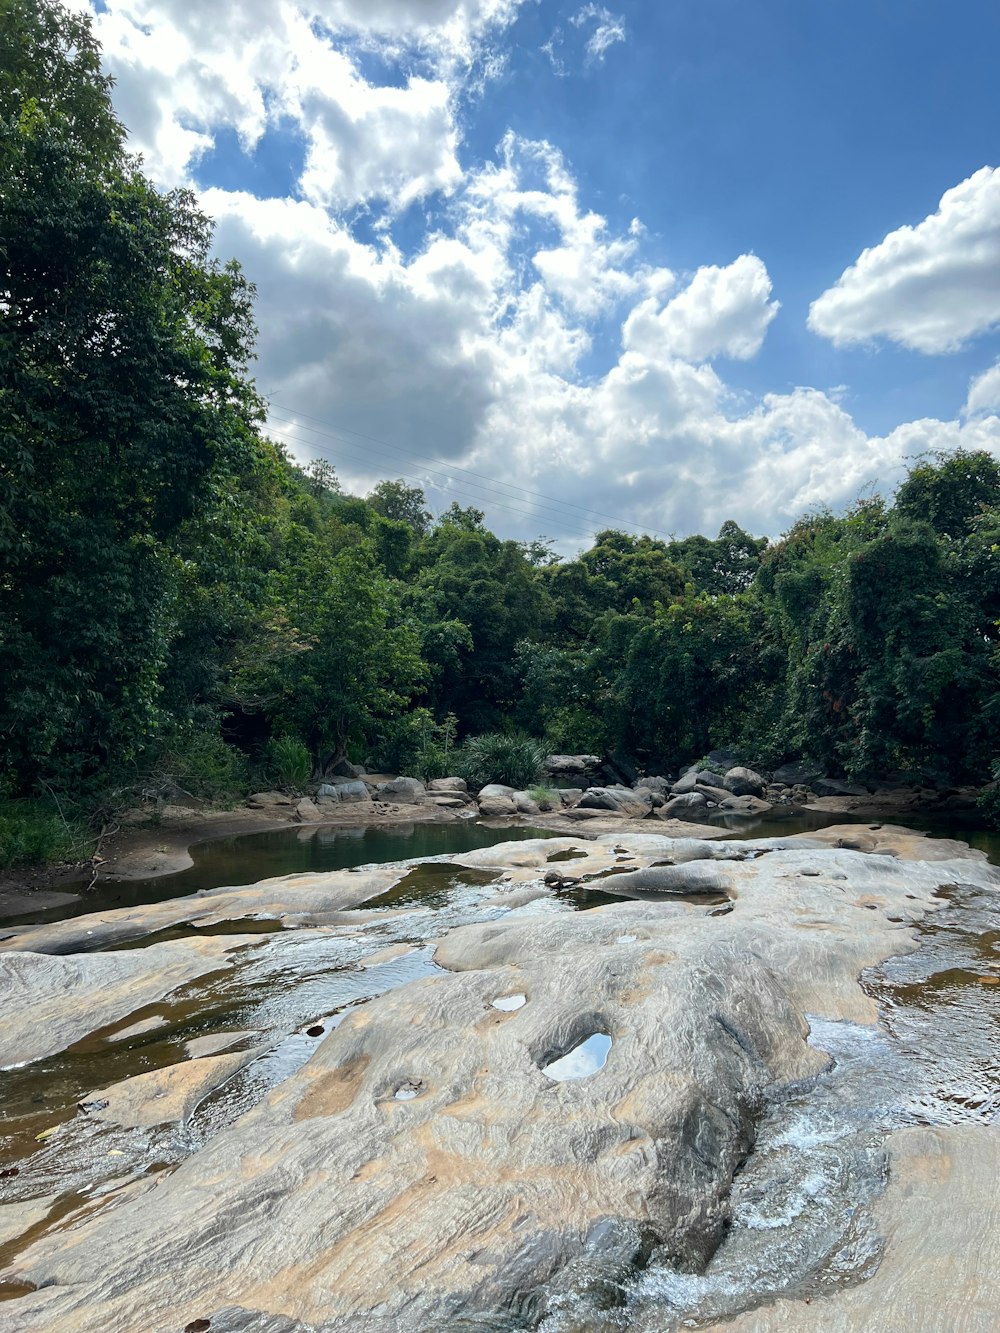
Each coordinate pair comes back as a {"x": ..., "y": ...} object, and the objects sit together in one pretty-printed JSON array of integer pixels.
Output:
[
  {"x": 744, "y": 782},
  {"x": 164, "y": 1096},
  {"x": 524, "y": 804},
  {"x": 447, "y": 785},
  {"x": 692, "y": 879},
  {"x": 493, "y": 806},
  {"x": 661, "y": 785},
  {"x": 712, "y": 794},
  {"x": 581, "y": 813},
  {"x": 800, "y": 773},
  {"x": 402, "y": 791},
  {"x": 353, "y": 793},
  {"x": 657, "y": 798},
  {"x": 53, "y": 1002},
  {"x": 263, "y": 800},
  {"x": 446, "y": 801},
  {"x": 308, "y": 811},
  {"x": 693, "y": 778},
  {"x": 619, "y": 800},
  {"x": 834, "y": 787},
  {"x": 328, "y": 791},
  {"x": 496, "y": 789},
  {"x": 344, "y": 769},
  {"x": 571, "y": 765},
  {"x": 568, "y": 796},
  {"x": 690, "y": 806},
  {"x": 746, "y": 805}
]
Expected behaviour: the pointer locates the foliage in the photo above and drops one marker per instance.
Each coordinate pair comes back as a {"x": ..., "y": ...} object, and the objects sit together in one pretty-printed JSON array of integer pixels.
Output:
[
  {"x": 546, "y": 798},
  {"x": 288, "y": 762},
  {"x": 416, "y": 745},
  {"x": 32, "y": 832},
  {"x": 200, "y": 763},
  {"x": 509, "y": 758}
]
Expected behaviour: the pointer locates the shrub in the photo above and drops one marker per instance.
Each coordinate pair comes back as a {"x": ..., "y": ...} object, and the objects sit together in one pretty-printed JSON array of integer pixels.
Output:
[
  {"x": 33, "y": 832},
  {"x": 417, "y": 745},
  {"x": 989, "y": 801},
  {"x": 288, "y": 762},
  {"x": 546, "y": 798},
  {"x": 513, "y": 760},
  {"x": 201, "y": 764}
]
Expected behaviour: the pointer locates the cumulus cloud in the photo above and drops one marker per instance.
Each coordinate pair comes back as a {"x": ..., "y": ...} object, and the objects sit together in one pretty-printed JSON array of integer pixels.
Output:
[
  {"x": 721, "y": 312},
  {"x": 931, "y": 287},
  {"x": 984, "y": 392},
  {"x": 558, "y": 377}
]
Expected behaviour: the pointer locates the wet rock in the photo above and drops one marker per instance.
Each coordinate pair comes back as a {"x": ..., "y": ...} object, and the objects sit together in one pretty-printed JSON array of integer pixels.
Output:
[
  {"x": 165, "y": 1096},
  {"x": 619, "y": 800}
]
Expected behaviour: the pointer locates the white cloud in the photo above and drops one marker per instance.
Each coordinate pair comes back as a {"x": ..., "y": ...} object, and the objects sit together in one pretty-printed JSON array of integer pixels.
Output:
[
  {"x": 984, "y": 392},
  {"x": 490, "y": 343},
  {"x": 931, "y": 287},
  {"x": 609, "y": 29},
  {"x": 721, "y": 312}
]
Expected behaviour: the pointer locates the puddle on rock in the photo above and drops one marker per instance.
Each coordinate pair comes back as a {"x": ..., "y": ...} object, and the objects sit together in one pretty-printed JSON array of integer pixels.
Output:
[
  {"x": 582, "y": 1061},
  {"x": 507, "y": 1004}
]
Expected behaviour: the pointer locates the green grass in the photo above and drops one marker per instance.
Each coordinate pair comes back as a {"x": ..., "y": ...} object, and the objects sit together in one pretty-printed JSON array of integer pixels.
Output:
[{"x": 515, "y": 761}]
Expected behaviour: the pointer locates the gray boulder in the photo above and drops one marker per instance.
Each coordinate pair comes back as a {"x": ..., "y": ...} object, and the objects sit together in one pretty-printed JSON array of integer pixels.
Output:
[
  {"x": 662, "y": 785},
  {"x": 723, "y": 759},
  {"x": 353, "y": 793},
  {"x": 572, "y": 765},
  {"x": 447, "y": 785},
  {"x": 402, "y": 791},
  {"x": 619, "y": 800},
  {"x": 744, "y": 782},
  {"x": 690, "y": 806},
  {"x": 746, "y": 805},
  {"x": 524, "y": 804},
  {"x": 712, "y": 794},
  {"x": 328, "y": 791}
]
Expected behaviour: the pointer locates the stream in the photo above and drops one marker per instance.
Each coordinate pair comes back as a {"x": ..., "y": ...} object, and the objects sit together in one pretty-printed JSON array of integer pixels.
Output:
[{"x": 801, "y": 1206}]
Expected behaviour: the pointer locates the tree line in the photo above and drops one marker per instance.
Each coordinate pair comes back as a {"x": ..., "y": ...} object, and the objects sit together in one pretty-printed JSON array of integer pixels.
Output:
[{"x": 178, "y": 595}]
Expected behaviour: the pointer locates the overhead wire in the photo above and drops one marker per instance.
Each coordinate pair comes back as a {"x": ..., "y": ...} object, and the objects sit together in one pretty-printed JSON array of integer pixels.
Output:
[{"x": 527, "y": 495}]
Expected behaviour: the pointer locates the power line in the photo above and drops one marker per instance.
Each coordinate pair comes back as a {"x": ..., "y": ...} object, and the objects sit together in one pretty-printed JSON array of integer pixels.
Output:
[
  {"x": 336, "y": 432},
  {"x": 447, "y": 486}
]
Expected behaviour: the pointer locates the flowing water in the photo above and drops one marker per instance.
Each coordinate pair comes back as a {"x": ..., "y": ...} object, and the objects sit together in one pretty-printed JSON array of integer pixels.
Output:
[{"x": 801, "y": 1206}]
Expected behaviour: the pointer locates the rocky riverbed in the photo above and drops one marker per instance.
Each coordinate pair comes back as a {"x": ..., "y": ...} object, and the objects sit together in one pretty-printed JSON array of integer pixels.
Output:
[{"x": 363, "y": 1100}]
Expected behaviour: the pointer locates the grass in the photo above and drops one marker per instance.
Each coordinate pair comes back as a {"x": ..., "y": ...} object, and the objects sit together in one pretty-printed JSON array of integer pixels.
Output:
[
  {"x": 513, "y": 760},
  {"x": 33, "y": 832}
]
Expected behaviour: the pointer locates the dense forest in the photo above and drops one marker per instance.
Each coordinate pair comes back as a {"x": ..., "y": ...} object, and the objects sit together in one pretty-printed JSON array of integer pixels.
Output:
[{"x": 180, "y": 599}]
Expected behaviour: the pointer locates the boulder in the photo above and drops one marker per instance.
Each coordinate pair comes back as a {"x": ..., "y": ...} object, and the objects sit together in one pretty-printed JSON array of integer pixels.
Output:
[
  {"x": 308, "y": 811},
  {"x": 571, "y": 765},
  {"x": 447, "y": 800},
  {"x": 657, "y": 798},
  {"x": 689, "y": 806},
  {"x": 402, "y": 791},
  {"x": 713, "y": 794},
  {"x": 525, "y": 804},
  {"x": 328, "y": 792},
  {"x": 662, "y": 785},
  {"x": 619, "y": 800},
  {"x": 496, "y": 789},
  {"x": 722, "y": 759},
  {"x": 343, "y": 769},
  {"x": 745, "y": 805},
  {"x": 263, "y": 800},
  {"x": 353, "y": 793},
  {"x": 447, "y": 785},
  {"x": 744, "y": 782},
  {"x": 493, "y": 806},
  {"x": 569, "y": 796}
]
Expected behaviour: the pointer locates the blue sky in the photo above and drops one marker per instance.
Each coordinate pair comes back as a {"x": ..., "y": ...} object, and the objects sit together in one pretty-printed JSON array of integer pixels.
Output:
[{"x": 566, "y": 259}]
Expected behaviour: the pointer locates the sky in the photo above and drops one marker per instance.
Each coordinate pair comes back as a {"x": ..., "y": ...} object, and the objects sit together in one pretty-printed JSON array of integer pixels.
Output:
[{"x": 649, "y": 265}]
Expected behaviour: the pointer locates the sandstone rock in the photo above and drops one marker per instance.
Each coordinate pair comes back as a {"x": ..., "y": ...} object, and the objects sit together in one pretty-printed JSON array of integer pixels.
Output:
[
  {"x": 494, "y": 806},
  {"x": 524, "y": 804},
  {"x": 744, "y": 782},
  {"x": 164, "y": 1096},
  {"x": 746, "y": 805},
  {"x": 569, "y": 796},
  {"x": 308, "y": 811},
  {"x": 619, "y": 800},
  {"x": 402, "y": 791},
  {"x": 447, "y": 785},
  {"x": 712, "y": 794},
  {"x": 496, "y": 789},
  {"x": 263, "y": 800},
  {"x": 446, "y": 801}
]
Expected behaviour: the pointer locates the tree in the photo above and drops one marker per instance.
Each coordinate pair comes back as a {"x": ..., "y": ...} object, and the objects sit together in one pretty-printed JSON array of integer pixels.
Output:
[
  {"x": 123, "y": 391},
  {"x": 404, "y": 504}
]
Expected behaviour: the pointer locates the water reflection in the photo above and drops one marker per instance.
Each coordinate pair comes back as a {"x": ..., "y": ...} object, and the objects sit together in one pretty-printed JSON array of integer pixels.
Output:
[{"x": 582, "y": 1061}]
